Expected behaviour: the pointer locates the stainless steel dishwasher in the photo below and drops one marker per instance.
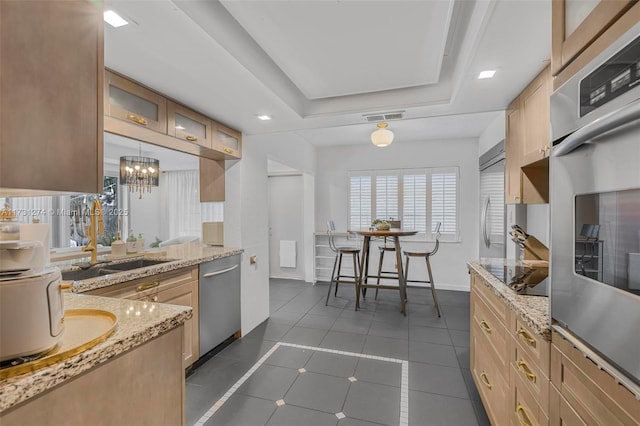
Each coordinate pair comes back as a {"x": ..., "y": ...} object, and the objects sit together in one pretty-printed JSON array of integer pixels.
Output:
[{"x": 219, "y": 301}]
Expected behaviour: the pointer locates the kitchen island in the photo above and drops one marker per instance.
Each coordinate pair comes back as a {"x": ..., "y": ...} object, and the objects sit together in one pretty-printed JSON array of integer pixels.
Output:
[{"x": 135, "y": 373}]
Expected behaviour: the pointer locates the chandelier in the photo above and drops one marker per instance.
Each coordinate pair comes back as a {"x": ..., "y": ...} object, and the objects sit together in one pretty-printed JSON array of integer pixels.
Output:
[
  {"x": 139, "y": 173},
  {"x": 383, "y": 136}
]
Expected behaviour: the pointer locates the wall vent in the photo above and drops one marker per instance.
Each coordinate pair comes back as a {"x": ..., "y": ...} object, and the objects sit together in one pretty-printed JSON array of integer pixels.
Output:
[{"x": 384, "y": 116}]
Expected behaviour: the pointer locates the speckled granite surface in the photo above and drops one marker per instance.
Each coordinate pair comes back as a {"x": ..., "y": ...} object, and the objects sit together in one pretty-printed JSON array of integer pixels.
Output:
[
  {"x": 179, "y": 256},
  {"x": 534, "y": 310},
  {"x": 138, "y": 322}
]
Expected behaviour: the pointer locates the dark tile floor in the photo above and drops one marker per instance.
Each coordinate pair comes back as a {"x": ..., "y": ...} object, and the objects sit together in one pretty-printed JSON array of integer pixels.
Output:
[{"x": 441, "y": 389}]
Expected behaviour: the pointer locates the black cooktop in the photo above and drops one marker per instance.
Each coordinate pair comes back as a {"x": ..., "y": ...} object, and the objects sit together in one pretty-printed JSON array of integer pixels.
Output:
[{"x": 524, "y": 280}]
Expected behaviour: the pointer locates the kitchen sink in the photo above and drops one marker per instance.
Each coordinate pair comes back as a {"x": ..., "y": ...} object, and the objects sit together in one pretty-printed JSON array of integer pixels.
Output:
[{"x": 101, "y": 269}]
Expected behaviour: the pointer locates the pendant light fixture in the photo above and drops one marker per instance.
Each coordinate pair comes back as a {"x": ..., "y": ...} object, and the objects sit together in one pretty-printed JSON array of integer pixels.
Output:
[
  {"x": 383, "y": 136},
  {"x": 139, "y": 173}
]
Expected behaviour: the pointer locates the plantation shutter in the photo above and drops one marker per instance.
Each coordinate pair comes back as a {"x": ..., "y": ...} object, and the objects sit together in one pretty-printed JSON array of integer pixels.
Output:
[
  {"x": 444, "y": 196},
  {"x": 387, "y": 197},
  {"x": 414, "y": 207},
  {"x": 359, "y": 202}
]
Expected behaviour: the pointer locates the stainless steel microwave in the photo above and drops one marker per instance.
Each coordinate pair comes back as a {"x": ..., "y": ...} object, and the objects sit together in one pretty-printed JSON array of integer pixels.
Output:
[{"x": 595, "y": 205}]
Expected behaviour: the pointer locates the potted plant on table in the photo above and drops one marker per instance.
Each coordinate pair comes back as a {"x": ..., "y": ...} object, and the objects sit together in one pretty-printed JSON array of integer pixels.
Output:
[{"x": 381, "y": 225}]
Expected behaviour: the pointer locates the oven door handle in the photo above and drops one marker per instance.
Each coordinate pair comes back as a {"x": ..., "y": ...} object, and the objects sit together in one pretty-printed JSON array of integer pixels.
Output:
[{"x": 614, "y": 119}]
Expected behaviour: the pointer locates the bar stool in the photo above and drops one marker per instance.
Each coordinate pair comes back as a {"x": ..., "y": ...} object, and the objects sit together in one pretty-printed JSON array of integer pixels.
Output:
[
  {"x": 391, "y": 274},
  {"x": 427, "y": 256},
  {"x": 336, "y": 274}
]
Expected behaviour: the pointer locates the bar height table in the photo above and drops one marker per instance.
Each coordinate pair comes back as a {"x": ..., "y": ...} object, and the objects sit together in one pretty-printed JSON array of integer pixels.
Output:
[{"x": 395, "y": 234}]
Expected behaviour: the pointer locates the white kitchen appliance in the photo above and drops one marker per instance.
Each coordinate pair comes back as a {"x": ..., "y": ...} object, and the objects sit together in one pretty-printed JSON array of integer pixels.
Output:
[{"x": 31, "y": 303}]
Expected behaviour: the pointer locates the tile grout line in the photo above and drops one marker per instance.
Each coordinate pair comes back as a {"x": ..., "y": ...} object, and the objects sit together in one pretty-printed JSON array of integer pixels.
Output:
[
  {"x": 404, "y": 388},
  {"x": 235, "y": 387},
  {"x": 404, "y": 395}
]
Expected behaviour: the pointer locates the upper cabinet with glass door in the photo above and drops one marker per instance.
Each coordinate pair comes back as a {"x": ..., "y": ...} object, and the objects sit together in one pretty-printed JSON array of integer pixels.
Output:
[
  {"x": 186, "y": 124},
  {"x": 578, "y": 31},
  {"x": 227, "y": 140},
  {"x": 131, "y": 102}
]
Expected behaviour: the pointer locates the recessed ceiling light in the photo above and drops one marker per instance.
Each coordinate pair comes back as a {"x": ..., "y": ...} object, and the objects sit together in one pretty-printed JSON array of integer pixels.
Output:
[
  {"x": 486, "y": 74},
  {"x": 264, "y": 117},
  {"x": 113, "y": 19}
]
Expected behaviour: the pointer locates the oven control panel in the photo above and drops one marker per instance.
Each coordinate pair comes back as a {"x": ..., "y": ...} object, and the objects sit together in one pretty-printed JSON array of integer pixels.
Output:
[{"x": 617, "y": 75}]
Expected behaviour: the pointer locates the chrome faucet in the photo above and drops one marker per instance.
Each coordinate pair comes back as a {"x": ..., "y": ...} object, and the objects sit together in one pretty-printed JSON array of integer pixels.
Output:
[{"x": 95, "y": 228}]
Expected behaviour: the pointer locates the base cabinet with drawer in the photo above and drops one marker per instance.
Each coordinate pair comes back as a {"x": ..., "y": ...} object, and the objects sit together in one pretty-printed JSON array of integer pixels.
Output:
[
  {"x": 179, "y": 287},
  {"x": 524, "y": 379},
  {"x": 509, "y": 361},
  {"x": 586, "y": 392}
]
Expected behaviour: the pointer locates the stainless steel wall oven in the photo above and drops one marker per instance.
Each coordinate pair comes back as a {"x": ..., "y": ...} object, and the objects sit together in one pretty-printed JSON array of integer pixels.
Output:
[{"x": 595, "y": 205}]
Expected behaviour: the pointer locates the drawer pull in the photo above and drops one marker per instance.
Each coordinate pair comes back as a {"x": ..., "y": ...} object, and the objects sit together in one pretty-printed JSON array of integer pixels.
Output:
[
  {"x": 523, "y": 418},
  {"x": 485, "y": 379},
  {"x": 526, "y": 337},
  {"x": 485, "y": 326},
  {"x": 191, "y": 138},
  {"x": 147, "y": 286},
  {"x": 524, "y": 369},
  {"x": 137, "y": 119},
  {"x": 228, "y": 150}
]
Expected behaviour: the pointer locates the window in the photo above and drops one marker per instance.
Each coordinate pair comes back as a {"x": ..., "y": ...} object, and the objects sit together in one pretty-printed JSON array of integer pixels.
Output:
[
  {"x": 420, "y": 198},
  {"x": 68, "y": 215},
  {"x": 360, "y": 202}
]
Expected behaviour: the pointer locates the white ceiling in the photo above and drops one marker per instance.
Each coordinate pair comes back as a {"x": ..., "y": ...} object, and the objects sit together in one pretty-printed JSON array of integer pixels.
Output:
[
  {"x": 318, "y": 66},
  {"x": 332, "y": 49}
]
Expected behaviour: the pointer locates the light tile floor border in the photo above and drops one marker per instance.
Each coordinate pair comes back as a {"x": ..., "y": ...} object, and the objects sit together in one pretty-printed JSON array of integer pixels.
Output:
[{"x": 404, "y": 386}]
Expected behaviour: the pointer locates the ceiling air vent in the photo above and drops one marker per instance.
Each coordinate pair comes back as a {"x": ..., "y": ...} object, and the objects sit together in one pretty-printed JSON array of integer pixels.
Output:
[{"x": 384, "y": 116}]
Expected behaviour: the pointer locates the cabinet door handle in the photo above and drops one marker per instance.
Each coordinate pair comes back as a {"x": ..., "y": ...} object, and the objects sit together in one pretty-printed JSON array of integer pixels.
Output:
[
  {"x": 485, "y": 379},
  {"x": 485, "y": 326},
  {"x": 228, "y": 150},
  {"x": 222, "y": 271},
  {"x": 526, "y": 337},
  {"x": 147, "y": 286},
  {"x": 191, "y": 138},
  {"x": 137, "y": 119},
  {"x": 523, "y": 418},
  {"x": 524, "y": 369}
]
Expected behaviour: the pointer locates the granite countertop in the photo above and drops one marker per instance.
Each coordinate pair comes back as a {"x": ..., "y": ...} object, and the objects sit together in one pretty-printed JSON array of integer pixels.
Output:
[
  {"x": 534, "y": 310},
  {"x": 179, "y": 256},
  {"x": 138, "y": 322}
]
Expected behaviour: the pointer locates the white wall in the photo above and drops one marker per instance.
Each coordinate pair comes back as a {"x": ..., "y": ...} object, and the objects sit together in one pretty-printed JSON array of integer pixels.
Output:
[
  {"x": 493, "y": 134},
  {"x": 449, "y": 265},
  {"x": 246, "y": 204},
  {"x": 144, "y": 216}
]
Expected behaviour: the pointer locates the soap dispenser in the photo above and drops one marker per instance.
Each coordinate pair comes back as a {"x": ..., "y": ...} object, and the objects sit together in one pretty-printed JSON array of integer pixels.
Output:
[
  {"x": 118, "y": 247},
  {"x": 131, "y": 243},
  {"x": 140, "y": 243}
]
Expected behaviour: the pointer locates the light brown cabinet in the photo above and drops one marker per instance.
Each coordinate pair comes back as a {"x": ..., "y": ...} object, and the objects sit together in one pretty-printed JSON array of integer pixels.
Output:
[
  {"x": 227, "y": 140},
  {"x": 188, "y": 125},
  {"x": 212, "y": 180},
  {"x": 509, "y": 361},
  {"x": 143, "y": 386},
  {"x": 134, "y": 103},
  {"x": 594, "y": 396},
  {"x": 528, "y": 143},
  {"x": 577, "y": 24},
  {"x": 513, "y": 146},
  {"x": 51, "y": 62},
  {"x": 179, "y": 287}
]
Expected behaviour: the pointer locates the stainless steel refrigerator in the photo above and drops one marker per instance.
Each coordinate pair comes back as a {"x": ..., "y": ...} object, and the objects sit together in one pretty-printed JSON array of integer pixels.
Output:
[{"x": 492, "y": 206}]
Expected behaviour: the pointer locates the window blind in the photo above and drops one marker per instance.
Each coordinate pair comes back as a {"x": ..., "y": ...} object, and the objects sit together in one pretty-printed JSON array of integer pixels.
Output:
[
  {"x": 444, "y": 206},
  {"x": 420, "y": 198},
  {"x": 387, "y": 197},
  {"x": 360, "y": 202},
  {"x": 414, "y": 208}
]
